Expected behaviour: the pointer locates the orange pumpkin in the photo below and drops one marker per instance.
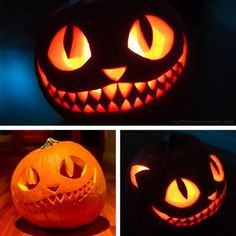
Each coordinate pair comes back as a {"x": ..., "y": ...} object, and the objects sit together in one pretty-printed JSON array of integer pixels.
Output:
[{"x": 59, "y": 185}]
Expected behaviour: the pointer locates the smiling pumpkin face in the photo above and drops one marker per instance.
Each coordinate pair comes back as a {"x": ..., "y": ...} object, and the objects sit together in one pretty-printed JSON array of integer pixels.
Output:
[
  {"x": 60, "y": 185},
  {"x": 110, "y": 56},
  {"x": 182, "y": 182}
]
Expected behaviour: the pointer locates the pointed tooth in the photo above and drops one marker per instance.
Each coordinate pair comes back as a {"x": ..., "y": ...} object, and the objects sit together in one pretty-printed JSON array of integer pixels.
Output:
[
  {"x": 175, "y": 67},
  {"x": 110, "y": 91},
  {"x": 162, "y": 79},
  {"x": 61, "y": 94},
  {"x": 126, "y": 105},
  {"x": 100, "y": 108},
  {"x": 66, "y": 105},
  {"x": 152, "y": 84},
  {"x": 149, "y": 98},
  {"x": 96, "y": 94},
  {"x": 174, "y": 79},
  {"x": 57, "y": 100},
  {"x": 72, "y": 96},
  {"x": 180, "y": 70},
  {"x": 88, "y": 109},
  {"x": 69, "y": 195},
  {"x": 138, "y": 102},
  {"x": 52, "y": 90},
  {"x": 75, "y": 108},
  {"x": 83, "y": 96},
  {"x": 125, "y": 89},
  {"x": 159, "y": 93},
  {"x": 52, "y": 199},
  {"x": 168, "y": 86},
  {"x": 169, "y": 73},
  {"x": 60, "y": 197},
  {"x": 112, "y": 107},
  {"x": 140, "y": 86}
]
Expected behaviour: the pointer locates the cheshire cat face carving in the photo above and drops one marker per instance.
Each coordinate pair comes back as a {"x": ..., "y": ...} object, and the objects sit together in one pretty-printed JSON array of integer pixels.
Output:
[
  {"x": 60, "y": 185},
  {"x": 182, "y": 181},
  {"x": 126, "y": 62}
]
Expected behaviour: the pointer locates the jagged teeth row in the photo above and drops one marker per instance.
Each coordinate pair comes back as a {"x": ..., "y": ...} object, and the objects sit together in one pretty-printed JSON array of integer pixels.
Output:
[
  {"x": 153, "y": 88},
  {"x": 211, "y": 210},
  {"x": 55, "y": 200}
]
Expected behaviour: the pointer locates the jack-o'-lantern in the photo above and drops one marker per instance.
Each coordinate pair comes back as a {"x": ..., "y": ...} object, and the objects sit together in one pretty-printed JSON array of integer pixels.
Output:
[
  {"x": 107, "y": 56},
  {"x": 59, "y": 185},
  {"x": 180, "y": 180}
]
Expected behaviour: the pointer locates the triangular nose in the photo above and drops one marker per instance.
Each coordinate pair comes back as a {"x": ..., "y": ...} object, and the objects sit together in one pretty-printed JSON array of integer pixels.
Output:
[{"x": 115, "y": 73}]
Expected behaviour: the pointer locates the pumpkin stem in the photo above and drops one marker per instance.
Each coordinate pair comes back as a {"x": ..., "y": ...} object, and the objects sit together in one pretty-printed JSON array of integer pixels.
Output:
[{"x": 50, "y": 142}]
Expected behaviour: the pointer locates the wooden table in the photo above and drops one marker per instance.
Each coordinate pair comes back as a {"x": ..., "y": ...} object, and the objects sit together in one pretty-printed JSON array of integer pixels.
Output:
[{"x": 12, "y": 224}]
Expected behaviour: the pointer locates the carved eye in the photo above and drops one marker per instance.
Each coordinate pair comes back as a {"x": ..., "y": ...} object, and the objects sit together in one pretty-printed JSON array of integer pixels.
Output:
[
  {"x": 29, "y": 179},
  {"x": 216, "y": 169},
  {"x": 162, "y": 39},
  {"x": 135, "y": 169},
  {"x": 182, "y": 193},
  {"x": 77, "y": 53},
  {"x": 73, "y": 167}
]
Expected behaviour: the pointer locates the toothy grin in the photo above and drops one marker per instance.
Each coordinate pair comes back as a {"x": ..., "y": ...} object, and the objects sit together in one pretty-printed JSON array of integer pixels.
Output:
[
  {"x": 197, "y": 218},
  {"x": 55, "y": 201},
  {"x": 117, "y": 97}
]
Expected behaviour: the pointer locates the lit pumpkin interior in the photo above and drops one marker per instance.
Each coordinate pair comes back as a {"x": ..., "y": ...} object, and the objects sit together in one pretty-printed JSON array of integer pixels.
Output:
[
  {"x": 162, "y": 39},
  {"x": 216, "y": 169},
  {"x": 79, "y": 52}
]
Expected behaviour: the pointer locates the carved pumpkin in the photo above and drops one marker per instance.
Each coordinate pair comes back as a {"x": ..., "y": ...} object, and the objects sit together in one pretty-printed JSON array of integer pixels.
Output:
[
  {"x": 59, "y": 185},
  {"x": 179, "y": 180},
  {"x": 110, "y": 56}
]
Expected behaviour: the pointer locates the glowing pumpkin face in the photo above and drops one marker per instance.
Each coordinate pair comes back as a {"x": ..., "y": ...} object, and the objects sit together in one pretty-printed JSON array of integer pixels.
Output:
[
  {"x": 60, "y": 185},
  {"x": 181, "y": 181},
  {"x": 92, "y": 60}
]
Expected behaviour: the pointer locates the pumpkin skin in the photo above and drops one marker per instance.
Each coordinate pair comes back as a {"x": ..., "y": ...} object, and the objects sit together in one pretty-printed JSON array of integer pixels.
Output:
[
  {"x": 89, "y": 58},
  {"x": 60, "y": 185},
  {"x": 178, "y": 180}
]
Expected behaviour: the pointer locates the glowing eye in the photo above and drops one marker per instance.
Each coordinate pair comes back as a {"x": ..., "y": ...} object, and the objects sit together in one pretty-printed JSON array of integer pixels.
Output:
[
  {"x": 135, "y": 169},
  {"x": 182, "y": 193},
  {"x": 216, "y": 169},
  {"x": 79, "y": 52},
  {"x": 162, "y": 39}
]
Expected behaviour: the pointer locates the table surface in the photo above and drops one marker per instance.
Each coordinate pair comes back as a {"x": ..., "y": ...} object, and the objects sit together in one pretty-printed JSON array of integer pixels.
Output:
[{"x": 11, "y": 223}]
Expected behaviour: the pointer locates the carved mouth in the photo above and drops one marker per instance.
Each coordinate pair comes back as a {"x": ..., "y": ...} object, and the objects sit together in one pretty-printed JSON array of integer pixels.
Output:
[
  {"x": 56, "y": 201},
  {"x": 197, "y": 218},
  {"x": 117, "y": 97}
]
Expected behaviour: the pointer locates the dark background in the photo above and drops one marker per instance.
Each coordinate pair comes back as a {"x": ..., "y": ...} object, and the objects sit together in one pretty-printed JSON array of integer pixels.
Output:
[
  {"x": 222, "y": 223},
  {"x": 211, "y": 25}
]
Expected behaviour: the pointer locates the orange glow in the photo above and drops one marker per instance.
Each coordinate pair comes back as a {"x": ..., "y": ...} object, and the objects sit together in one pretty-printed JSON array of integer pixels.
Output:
[
  {"x": 96, "y": 94},
  {"x": 152, "y": 84},
  {"x": 168, "y": 86},
  {"x": 66, "y": 105},
  {"x": 88, "y": 109},
  {"x": 149, "y": 98},
  {"x": 218, "y": 175},
  {"x": 75, "y": 108},
  {"x": 175, "y": 197},
  {"x": 161, "y": 214},
  {"x": 135, "y": 169},
  {"x": 140, "y": 86},
  {"x": 42, "y": 75},
  {"x": 110, "y": 91},
  {"x": 113, "y": 107},
  {"x": 138, "y": 102},
  {"x": 100, "y": 108},
  {"x": 126, "y": 106},
  {"x": 79, "y": 53},
  {"x": 83, "y": 96},
  {"x": 213, "y": 196},
  {"x": 61, "y": 93},
  {"x": 115, "y": 74},
  {"x": 169, "y": 73},
  {"x": 162, "y": 39},
  {"x": 72, "y": 96},
  {"x": 183, "y": 58},
  {"x": 159, "y": 93},
  {"x": 125, "y": 89},
  {"x": 162, "y": 79}
]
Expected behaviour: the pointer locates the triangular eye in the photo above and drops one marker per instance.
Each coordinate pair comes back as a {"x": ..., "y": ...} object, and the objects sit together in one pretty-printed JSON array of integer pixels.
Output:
[
  {"x": 182, "y": 193},
  {"x": 162, "y": 39},
  {"x": 29, "y": 179},
  {"x": 134, "y": 170},
  {"x": 216, "y": 169},
  {"x": 71, "y": 169},
  {"x": 69, "y": 49}
]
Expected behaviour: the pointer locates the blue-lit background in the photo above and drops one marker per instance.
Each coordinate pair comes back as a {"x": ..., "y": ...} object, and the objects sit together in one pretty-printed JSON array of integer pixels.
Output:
[{"x": 211, "y": 25}]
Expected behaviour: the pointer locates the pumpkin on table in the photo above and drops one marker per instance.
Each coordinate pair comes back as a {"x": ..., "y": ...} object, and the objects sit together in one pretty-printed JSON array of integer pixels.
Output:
[
  {"x": 179, "y": 180},
  {"x": 59, "y": 185},
  {"x": 107, "y": 56}
]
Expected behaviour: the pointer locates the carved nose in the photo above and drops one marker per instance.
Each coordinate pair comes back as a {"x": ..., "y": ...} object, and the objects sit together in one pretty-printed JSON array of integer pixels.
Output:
[
  {"x": 53, "y": 188},
  {"x": 115, "y": 73}
]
